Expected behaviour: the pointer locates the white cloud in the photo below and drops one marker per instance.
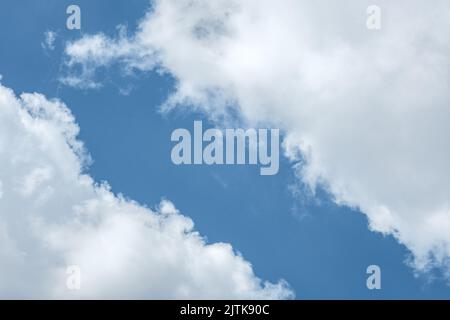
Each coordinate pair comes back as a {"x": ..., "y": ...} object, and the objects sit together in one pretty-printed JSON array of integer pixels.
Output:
[
  {"x": 368, "y": 111},
  {"x": 49, "y": 41},
  {"x": 52, "y": 215},
  {"x": 98, "y": 50}
]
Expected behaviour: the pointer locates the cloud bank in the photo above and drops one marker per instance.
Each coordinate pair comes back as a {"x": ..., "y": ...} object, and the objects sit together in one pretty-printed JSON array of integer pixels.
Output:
[
  {"x": 53, "y": 215},
  {"x": 366, "y": 112}
]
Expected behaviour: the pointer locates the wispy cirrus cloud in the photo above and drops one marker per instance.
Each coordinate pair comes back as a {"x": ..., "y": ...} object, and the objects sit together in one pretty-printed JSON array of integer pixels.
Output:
[{"x": 49, "y": 40}]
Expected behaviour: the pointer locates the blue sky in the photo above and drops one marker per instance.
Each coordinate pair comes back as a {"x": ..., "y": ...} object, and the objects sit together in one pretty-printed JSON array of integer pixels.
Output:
[{"x": 322, "y": 250}]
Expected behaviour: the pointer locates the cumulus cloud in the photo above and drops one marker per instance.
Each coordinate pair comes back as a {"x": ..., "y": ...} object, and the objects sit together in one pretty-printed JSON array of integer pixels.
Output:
[
  {"x": 53, "y": 215},
  {"x": 365, "y": 111}
]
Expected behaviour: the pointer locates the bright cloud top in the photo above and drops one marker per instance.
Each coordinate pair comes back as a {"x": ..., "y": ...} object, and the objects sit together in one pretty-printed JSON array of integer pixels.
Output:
[
  {"x": 52, "y": 216},
  {"x": 365, "y": 111}
]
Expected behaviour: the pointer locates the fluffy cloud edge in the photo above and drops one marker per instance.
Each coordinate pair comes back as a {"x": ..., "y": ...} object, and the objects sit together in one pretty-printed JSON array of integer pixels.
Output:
[
  {"x": 217, "y": 52},
  {"x": 53, "y": 215}
]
